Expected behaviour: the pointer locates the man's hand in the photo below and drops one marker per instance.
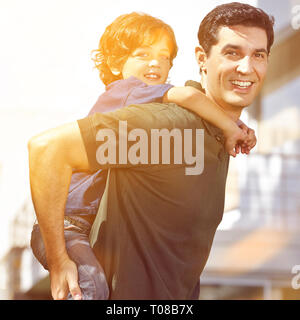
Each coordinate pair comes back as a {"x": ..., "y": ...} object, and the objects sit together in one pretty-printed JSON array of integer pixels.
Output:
[{"x": 64, "y": 279}]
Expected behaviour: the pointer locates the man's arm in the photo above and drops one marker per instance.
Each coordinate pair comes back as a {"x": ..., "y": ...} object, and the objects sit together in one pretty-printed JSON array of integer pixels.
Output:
[{"x": 52, "y": 156}]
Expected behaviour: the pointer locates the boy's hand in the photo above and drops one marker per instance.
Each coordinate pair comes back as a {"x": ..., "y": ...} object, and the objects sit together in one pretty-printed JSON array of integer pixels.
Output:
[
  {"x": 64, "y": 279},
  {"x": 250, "y": 142},
  {"x": 234, "y": 137}
]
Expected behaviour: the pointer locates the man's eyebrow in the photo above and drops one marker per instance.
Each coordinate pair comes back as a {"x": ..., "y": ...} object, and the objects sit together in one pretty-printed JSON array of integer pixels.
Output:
[
  {"x": 261, "y": 50},
  {"x": 231, "y": 46},
  {"x": 235, "y": 47}
]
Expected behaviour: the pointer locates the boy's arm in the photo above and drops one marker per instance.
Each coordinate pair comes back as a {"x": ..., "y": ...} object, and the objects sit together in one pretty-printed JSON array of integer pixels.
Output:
[
  {"x": 194, "y": 100},
  {"x": 52, "y": 155},
  {"x": 251, "y": 139}
]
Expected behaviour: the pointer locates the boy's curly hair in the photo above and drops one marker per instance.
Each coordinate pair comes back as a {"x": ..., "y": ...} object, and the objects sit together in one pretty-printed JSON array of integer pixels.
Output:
[{"x": 123, "y": 36}]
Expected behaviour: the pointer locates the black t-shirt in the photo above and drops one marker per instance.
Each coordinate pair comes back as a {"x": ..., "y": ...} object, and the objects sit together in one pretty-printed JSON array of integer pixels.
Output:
[{"x": 156, "y": 224}]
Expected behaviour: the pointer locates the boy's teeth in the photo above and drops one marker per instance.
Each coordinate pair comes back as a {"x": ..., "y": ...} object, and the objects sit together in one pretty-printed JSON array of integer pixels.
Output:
[
  {"x": 244, "y": 84},
  {"x": 151, "y": 75}
]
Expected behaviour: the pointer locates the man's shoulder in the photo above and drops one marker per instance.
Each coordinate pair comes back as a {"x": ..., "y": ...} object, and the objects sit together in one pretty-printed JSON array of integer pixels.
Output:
[
  {"x": 165, "y": 108},
  {"x": 195, "y": 84},
  {"x": 168, "y": 115}
]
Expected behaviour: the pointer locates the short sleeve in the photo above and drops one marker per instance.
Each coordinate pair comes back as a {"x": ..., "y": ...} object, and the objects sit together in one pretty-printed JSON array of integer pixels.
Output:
[
  {"x": 122, "y": 93},
  {"x": 147, "y": 94},
  {"x": 144, "y": 117}
]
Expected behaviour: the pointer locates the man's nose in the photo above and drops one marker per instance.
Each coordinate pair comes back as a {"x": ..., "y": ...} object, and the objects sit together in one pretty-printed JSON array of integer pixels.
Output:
[{"x": 245, "y": 65}]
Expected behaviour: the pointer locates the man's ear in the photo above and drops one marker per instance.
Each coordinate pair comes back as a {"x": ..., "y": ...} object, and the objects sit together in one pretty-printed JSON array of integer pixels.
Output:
[{"x": 201, "y": 58}]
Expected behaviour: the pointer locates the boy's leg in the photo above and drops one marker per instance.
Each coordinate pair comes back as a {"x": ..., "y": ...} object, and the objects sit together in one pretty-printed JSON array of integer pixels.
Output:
[
  {"x": 37, "y": 246},
  {"x": 91, "y": 276}
]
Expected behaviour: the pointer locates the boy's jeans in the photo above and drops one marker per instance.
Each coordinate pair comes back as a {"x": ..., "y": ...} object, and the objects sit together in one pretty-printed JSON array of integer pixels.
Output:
[{"x": 91, "y": 276}]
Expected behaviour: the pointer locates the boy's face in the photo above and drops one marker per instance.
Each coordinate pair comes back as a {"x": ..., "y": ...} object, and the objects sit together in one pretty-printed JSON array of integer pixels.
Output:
[
  {"x": 150, "y": 63},
  {"x": 236, "y": 66}
]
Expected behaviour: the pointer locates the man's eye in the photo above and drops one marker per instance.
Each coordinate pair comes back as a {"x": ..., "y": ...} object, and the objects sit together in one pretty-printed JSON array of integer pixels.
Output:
[
  {"x": 259, "y": 55},
  {"x": 231, "y": 53}
]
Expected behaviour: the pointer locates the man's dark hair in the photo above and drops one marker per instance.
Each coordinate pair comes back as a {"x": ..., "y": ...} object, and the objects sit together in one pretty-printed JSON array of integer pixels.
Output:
[{"x": 231, "y": 14}]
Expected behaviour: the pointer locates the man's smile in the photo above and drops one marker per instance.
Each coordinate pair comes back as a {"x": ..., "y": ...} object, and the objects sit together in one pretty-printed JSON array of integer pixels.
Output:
[{"x": 242, "y": 86}]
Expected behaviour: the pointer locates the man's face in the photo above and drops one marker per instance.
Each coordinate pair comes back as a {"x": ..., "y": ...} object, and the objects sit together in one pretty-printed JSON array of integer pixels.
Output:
[{"x": 236, "y": 66}]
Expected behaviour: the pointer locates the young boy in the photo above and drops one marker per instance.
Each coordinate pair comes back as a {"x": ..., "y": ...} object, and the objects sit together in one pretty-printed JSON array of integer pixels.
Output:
[{"x": 134, "y": 58}]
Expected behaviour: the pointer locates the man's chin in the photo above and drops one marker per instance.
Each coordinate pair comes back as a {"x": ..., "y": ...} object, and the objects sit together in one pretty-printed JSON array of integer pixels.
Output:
[{"x": 240, "y": 101}]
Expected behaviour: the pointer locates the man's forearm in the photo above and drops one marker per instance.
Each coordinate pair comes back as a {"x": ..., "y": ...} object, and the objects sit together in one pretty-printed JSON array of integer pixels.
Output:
[
  {"x": 52, "y": 155},
  {"x": 49, "y": 180}
]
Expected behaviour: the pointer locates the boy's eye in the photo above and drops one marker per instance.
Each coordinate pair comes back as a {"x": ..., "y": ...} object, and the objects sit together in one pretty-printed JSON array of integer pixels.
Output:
[
  {"x": 141, "y": 54},
  {"x": 165, "y": 57},
  {"x": 144, "y": 54}
]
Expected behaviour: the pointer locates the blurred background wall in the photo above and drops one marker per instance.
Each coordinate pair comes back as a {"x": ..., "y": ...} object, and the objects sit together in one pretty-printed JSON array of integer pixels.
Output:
[{"x": 47, "y": 78}]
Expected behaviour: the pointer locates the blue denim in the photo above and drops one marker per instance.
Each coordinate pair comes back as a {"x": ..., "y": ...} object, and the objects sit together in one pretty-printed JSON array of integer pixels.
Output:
[{"x": 91, "y": 276}]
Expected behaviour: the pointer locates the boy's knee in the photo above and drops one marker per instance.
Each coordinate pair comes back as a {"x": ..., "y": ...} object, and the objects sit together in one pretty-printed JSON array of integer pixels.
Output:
[{"x": 93, "y": 284}]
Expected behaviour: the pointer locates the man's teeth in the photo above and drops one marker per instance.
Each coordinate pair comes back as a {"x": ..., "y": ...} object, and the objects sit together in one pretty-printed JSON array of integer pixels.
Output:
[{"x": 244, "y": 84}]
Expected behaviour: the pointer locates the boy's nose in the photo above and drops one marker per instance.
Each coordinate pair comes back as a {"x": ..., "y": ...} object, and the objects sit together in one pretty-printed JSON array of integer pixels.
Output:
[
  {"x": 153, "y": 63},
  {"x": 245, "y": 65}
]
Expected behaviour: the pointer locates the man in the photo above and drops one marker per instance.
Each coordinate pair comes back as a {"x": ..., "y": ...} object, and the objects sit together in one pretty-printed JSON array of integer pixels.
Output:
[{"x": 155, "y": 224}]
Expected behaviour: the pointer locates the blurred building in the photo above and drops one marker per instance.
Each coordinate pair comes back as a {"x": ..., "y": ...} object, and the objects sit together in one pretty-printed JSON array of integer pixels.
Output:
[
  {"x": 258, "y": 242},
  {"x": 20, "y": 271}
]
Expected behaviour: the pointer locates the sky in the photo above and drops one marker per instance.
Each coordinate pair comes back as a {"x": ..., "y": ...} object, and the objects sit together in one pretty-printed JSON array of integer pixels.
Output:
[{"x": 46, "y": 45}]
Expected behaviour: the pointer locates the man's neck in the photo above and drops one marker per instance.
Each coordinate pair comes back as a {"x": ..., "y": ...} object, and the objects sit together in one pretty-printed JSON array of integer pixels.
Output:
[{"x": 233, "y": 112}]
